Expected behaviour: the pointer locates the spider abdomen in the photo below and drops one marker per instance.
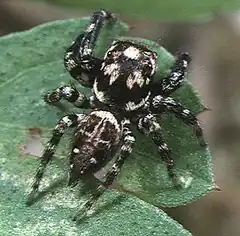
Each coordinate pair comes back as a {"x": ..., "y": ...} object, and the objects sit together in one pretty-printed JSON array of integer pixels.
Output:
[{"x": 94, "y": 143}]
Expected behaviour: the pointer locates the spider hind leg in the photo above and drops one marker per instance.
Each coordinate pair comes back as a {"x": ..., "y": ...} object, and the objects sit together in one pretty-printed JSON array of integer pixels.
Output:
[
  {"x": 64, "y": 123},
  {"x": 147, "y": 124}
]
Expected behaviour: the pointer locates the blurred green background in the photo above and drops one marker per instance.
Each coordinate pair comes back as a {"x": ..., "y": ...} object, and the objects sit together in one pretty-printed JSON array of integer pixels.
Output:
[
  {"x": 210, "y": 31},
  {"x": 170, "y": 10}
]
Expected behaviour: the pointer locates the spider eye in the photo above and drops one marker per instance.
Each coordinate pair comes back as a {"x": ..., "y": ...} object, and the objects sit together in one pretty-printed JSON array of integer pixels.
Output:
[{"x": 109, "y": 53}]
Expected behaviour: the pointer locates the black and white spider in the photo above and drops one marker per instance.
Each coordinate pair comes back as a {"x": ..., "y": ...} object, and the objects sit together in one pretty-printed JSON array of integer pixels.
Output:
[{"x": 124, "y": 93}]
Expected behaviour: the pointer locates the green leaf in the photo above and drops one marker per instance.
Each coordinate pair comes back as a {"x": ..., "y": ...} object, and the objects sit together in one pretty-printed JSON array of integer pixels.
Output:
[
  {"x": 30, "y": 65},
  {"x": 164, "y": 10}
]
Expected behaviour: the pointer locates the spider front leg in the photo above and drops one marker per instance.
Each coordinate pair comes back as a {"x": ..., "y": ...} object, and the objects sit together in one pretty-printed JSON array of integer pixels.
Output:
[
  {"x": 125, "y": 151},
  {"x": 160, "y": 104},
  {"x": 71, "y": 94},
  {"x": 178, "y": 72},
  {"x": 64, "y": 123},
  {"x": 148, "y": 124},
  {"x": 78, "y": 59}
]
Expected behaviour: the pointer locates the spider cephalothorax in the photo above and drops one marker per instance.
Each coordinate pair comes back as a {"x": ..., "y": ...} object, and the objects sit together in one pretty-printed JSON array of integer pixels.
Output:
[
  {"x": 124, "y": 92},
  {"x": 128, "y": 69}
]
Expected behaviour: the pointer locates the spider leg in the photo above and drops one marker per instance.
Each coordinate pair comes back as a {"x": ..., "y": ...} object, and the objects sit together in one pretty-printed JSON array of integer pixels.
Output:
[
  {"x": 78, "y": 58},
  {"x": 71, "y": 94},
  {"x": 148, "y": 124},
  {"x": 63, "y": 124},
  {"x": 125, "y": 151},
  {"x": 176, "y": 78},
  {"x": 159, "y": 104}
]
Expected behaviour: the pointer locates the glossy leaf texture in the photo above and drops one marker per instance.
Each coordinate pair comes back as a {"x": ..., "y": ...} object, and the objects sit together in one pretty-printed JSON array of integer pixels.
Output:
[
  {"x": 158, "y": 10},
  {"x": 30, "y": 65}
]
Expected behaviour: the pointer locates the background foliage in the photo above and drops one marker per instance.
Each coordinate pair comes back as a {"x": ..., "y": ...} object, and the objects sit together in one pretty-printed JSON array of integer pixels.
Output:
[{"x": 164, "y": 10}]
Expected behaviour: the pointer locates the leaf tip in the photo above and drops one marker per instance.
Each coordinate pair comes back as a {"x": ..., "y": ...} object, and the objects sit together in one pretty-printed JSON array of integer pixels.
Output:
[{"x": 217, "y": 188}]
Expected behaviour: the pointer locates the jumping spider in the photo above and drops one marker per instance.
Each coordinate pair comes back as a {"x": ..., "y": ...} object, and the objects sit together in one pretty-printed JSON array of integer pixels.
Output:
[{"x": 124, "y": 93}]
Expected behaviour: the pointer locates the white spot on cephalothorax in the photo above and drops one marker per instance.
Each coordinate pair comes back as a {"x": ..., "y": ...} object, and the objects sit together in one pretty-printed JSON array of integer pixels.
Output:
[
  {"x": 131, "y": 106},
  {"x": 71, "y": 166},
  {"x": 99, "y": 94},
  {"x": 114, "y": 74},
  {"x": 76, "y": 150},
  {"x": 135, "y": 78},
  {"x": 132, "y": 53},
  {"x": 113, "y": 71},
  {"x": 108, "y": 70}
]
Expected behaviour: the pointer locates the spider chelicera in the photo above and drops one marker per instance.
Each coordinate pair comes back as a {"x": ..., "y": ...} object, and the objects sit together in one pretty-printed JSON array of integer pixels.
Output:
[{"x": 124, "y": 93}]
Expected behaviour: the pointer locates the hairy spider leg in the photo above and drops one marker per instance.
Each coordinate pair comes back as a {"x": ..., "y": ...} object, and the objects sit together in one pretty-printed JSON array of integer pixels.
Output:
[
  {"x": 159, "y": 104},
  {"x": 176, "y": 78},
  {"x": 64, "y": 123},
  {"x": 71, "y": 94},
  {"x": 78, "y": 59},
  {"x": 148, "y": 124},
  {"x": 93, "y": 30},
  {"x": 125, "y": 151}
]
